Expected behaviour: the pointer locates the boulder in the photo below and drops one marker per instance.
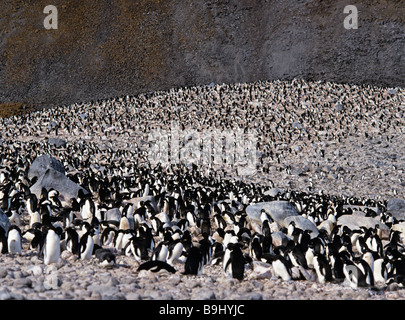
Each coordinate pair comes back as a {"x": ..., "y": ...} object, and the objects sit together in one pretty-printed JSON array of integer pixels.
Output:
[
  {"x": 279, "y": 239},
  {"x": 355, "y": 221},
  {"x": 58, "y": 181},
  {"x": 302, "y": 223},
  {"x": 42, "y": 163},
  {"x": 274, "y": 192},
  {"x": 261, "y": 270},
  {"x": 57, "y": 142},
  {"x": 113, "y": 216},
  {"x": 278, "y": 210},
  {"x": 136, "y": 201},
  {"x": 396, "y": 207}
]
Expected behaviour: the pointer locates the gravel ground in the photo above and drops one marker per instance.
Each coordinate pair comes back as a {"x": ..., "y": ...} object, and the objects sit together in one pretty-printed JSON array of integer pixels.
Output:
[{"x": 27, "y": 277}]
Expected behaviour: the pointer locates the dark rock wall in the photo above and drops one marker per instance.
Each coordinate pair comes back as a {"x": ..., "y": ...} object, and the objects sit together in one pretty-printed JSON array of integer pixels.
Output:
[{"x": 106, "y": 48}]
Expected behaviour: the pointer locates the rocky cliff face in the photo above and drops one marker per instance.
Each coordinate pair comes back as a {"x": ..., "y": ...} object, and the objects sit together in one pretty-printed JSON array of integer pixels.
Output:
[{"x": 107, "y": 48}]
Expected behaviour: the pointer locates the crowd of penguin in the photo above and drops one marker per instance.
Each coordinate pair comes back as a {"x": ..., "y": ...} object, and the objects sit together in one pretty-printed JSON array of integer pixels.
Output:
[
  {"x": 187, "y": 217},
  {"x": 187, "y": 220}
]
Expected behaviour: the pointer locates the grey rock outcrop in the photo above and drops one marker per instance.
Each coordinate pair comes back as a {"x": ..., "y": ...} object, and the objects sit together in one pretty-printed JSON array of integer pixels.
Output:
[{"x": 42, "y": 163}]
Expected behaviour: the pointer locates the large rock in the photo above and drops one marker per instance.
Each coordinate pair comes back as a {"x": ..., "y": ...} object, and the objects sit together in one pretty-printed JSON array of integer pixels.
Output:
[
  {"x": 397, "y": 208},
  {"x": 278, "y": 210},
  {"x": 136, "y": 201},
  {"x": 356, "y": 221},
  {"x": 302, "y": 223},
  {"x": 113, "y": 216},
  {"x": 280, "y": 239},
  {"x": 57, "y": 142},
  {"x": 42, "y": 163},
  {"x": 58, "y": 181}
]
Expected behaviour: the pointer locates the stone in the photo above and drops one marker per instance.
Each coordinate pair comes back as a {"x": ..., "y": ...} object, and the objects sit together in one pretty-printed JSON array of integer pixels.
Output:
[
  {"x": 278, "y": 210},
  {"x": 136, "y": 201},
  {"x": 396, "y": 207},
  {"x": 261, "y": 270},
  {"x": 280, "y": 239},
  {"x": 274, "y": 192},
  {"x": 355, "y": 221},
  {"x": 302, "y": 223},
  {"x": 202, "y": 294},
  {"x": 52, "y": 282},
  {"x": 57, "y": 142},
  {"x": 113, "y": 216},
  {"x": 57, "y": 180},
  {"x": 42, "y": 163},
  {"x": 35, "y": 270}
]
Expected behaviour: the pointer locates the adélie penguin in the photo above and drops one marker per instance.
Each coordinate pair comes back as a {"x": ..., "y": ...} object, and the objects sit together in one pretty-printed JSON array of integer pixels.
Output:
[
  {"x": 14, "y": 239},
  {"x": 156, "y": 266},
  {"x": 235, "y": 265},
  {"x": 86, "y": 245},
  {"x": 105, "y": 257},
  {"x": 322, "y": 268},
  {"x": 51, "y": 247},
  {"x": 194, "y": 262}
]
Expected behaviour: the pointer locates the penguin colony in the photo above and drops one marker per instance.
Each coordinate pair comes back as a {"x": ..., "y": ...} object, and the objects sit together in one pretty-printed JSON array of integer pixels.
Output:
[{"x": 190, "y": 217}]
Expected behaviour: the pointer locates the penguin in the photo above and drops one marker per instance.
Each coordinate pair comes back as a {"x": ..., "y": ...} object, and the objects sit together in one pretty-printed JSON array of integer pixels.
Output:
[
  {"x": 353, "y": 274},
  {"x": 138, "y": 248},
  {"x": 235, "y": 265},
  {"x": 32, "y": 208},
  {"x": 72, "y": 240},
  {"x": 88, "y": 210},
  {"x": 108, "y": 236},
  {"x": 126, "y": 221},
  {"x": 322, "y": 268},
  {"x": 14, "y": 240},
  {"x": 217, "y": 253},
  {"x": 86, "y": 245},
  {"x": 281, "y": 266},
  {"x": 266, "y": 228},
  {"x": 53, "y": 197},
  {"x": 336, "y": 263},
  {"x": 256, "y": 250},
  {"x": 51, "y": 248},
  {"x": 35, "y": 237},
  {"x": 161, "y": 252},
  {"x": 380, "y": 271},
  {"x": 175, "y": 250},
  {"x": 156, "y": 266},
  {"x": 366, "y": 270},
  {"x": 297, "y": 257},
  {"x": 227, "y": 253},
  {"x": 105, "y": 257},
  {"x": 206, "y": 248},
  {"x": 194, "y": 262},
  {"x": 267, "y": 245},
  {"x": 3, "y": 241},
  {"x": 220, "y": 221}
]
